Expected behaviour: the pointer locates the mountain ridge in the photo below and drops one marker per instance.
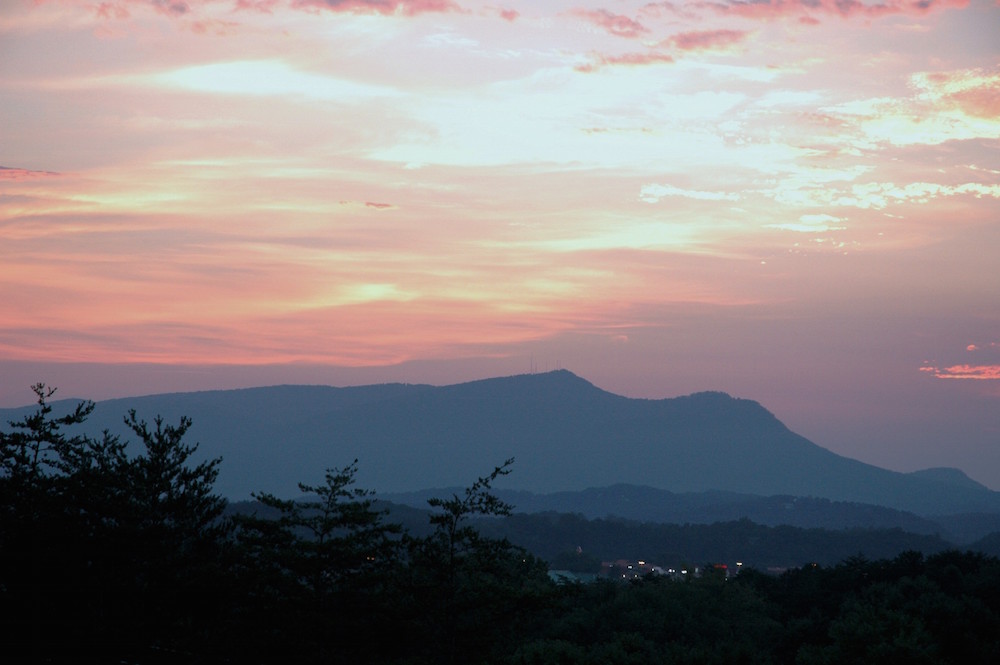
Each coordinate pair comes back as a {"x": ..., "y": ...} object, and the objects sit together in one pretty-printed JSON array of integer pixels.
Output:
[{"x": 565, "y": 433}]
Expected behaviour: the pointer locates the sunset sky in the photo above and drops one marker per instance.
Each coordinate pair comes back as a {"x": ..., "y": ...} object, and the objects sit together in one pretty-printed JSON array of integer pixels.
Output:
[{"x": 793, "y": 201}]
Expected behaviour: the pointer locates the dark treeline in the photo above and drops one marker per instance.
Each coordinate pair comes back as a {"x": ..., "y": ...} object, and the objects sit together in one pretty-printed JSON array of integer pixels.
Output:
[
  {"x": 115, "y": 553},
  {"x": 551, "y": 535}
]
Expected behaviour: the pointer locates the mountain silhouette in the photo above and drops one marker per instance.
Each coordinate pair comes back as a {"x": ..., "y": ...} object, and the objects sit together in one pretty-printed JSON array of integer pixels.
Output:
[{"x": 565, "y": 434}]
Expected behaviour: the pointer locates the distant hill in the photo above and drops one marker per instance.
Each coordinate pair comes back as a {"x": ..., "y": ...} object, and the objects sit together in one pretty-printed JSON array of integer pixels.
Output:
[
  {"x": 949, "y": 476},
  {"x": 565, "y": 433},
  {"x": 650, "y": 505},
  {"x": 573, "y": 540},
  {"x": 647, "y": 504}
]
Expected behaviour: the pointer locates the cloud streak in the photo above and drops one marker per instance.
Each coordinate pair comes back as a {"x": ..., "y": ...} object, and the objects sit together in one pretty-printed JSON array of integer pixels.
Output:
[
  {"x": 640, "y": 59},
  {"x": 706, "y": 40},
  {"x": 383, "y": 7},
  {"x": 654, "y": 193},
  {"x": 965, "y": 372},
  {"x": 615, "y": 24},
  {"x": 12, "y": 173},
  {"x": 806, "y": 9}
]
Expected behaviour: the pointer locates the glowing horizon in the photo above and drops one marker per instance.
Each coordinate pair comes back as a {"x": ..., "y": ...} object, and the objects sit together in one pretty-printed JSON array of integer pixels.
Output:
[{"x": 765, "y": 195}]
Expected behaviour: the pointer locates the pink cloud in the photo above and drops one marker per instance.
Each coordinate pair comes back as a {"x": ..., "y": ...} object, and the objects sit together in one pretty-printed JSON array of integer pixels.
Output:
[
  {"x": 110, "y": 10},
  {"x": 375, "y": 205},
  {"x": 628, "y": 59},
  {"x": 170, "y": 7},
  {"x": 769, "y": 9},
  {"x": 8, "y": 173},
  {"x": 973, "y": 372},
  {"x": 975, "y": 92},
  {"x": 215, "y": 27},
  {"x": 384, "y": 7},
  {"x": 509, "y": 14},
  {"x": 177, "y": 8},
  {"x": 981, "y": 102},
  {"x": 616, "y": 24},
  {"x": 706, "y": 39},
  {"x": 263, "y": 6},
  {"x": 658, "y": 9}
]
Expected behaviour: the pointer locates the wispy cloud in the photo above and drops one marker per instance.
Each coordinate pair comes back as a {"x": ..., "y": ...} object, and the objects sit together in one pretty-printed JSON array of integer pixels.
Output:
[
  {"x": 638, "y": 59},
  {"x": 653, "y": 193},
  {"x": 975, "y": 92},
  {"x": 984, "y": 367},
  {"x": 384, "y": 7},
  {"x": 706, "y": 40},
  {"x": 798, "y": 9},
  {"x": 509, "y": 14},
  {"x": 265, "y": 77},
  {"x": 222, "y": 16},
  {"x": 812, "y": 224},
  {"x": 875, "y": 195},
  {"x": 968, "y": 372},
  {"x": 11, "y": 173},
  {"x": 616, "y": 24}
]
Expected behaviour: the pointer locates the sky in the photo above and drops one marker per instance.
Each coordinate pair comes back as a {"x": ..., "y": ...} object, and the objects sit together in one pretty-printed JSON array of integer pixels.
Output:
[{"x": 793, "y": 201}]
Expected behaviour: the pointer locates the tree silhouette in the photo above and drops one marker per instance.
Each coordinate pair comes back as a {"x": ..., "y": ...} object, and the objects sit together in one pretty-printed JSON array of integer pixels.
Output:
[
  {"x": 325, "y": 559},
  {"x": 115, "y": 554}
]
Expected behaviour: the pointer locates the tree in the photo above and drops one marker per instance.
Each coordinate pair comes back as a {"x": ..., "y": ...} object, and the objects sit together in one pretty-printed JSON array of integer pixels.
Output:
[
  {"x": 169, "y": 538},
  {"x": 326, "y": 543},
  {"x": 112, "y": 553},
  {"x": 36, "y": 526},
  {"x": 35, "y": 452},
  {"x": 171, "y": 498},
  {"x": 328, "y": 559},
  {"x": 453, "y": 535},
  {"x": 473, "y": 593}
]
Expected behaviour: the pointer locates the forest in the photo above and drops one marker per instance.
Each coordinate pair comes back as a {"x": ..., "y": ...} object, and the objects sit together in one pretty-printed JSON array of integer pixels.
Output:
[{"x": 119, "y": 551}]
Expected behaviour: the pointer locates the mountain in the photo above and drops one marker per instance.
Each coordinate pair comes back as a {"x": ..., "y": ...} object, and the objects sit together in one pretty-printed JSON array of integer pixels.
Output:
[{"x": 565, "y": 433}]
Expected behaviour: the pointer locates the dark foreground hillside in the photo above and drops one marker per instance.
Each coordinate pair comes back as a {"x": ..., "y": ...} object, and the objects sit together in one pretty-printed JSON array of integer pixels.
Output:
[{"x": 113, "y": 552}]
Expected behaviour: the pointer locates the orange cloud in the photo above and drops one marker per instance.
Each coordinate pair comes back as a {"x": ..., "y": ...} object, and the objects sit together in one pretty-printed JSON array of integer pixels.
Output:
[{"x": 616, "y": 24}]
